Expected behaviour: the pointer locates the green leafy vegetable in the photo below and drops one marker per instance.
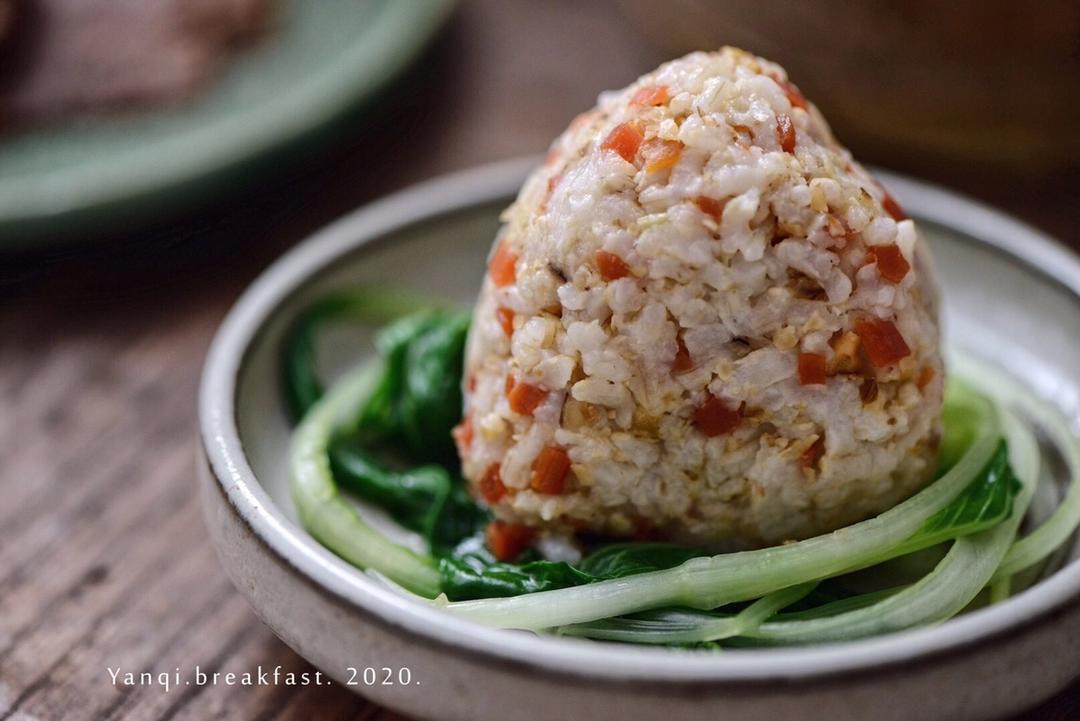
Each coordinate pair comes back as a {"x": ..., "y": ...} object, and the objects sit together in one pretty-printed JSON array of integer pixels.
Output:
[
  {"x": 471, "y": 572},
  {"x": 417, "y": 401},
  {"x": 986, "y": 502},
  {"x": 478, "y": 575},
  {"x": 983, "y": 504},
  {"x": 426, "y": 499},
  {"x": 430, "y": 400}
]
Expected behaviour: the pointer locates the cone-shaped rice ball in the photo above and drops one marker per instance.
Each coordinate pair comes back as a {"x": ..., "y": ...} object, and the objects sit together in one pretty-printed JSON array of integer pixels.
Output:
[{"x": 704, "y": 322}]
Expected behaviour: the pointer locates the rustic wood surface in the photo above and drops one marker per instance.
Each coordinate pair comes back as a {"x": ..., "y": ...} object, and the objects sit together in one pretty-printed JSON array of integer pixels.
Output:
[{"x": 103, "y": 557}]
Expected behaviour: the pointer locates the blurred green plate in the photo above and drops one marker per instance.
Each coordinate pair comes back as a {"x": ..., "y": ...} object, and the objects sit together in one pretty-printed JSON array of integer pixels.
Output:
[{"x": 321, "y": 58}]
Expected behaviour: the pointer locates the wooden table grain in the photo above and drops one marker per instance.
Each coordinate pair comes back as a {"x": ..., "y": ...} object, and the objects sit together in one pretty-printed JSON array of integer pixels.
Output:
[{"x": 104, "y": 562}]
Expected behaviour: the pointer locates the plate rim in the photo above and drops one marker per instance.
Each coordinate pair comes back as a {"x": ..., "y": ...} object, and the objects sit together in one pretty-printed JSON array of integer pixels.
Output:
[
  {"x": 570, "y": 657},
  {"x": 46, "y": 204}
]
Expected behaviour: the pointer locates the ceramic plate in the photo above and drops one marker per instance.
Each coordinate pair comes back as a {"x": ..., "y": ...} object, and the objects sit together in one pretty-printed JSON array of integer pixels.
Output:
[
  {"x": 319, "y": 60},
  {"x": 1011, "y": 299}
]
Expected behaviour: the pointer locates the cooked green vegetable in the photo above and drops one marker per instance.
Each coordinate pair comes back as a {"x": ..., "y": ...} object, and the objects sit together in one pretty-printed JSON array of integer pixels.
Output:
[
  {"x": 478, "y": 575},
  {"x": 984, "y": 504},
  {"x": 471, "y": 572},
  {"x": 326, "y": 515},
  {"x": 417, "y": 401},
  {"x": 688, "y": 626},
  {"x": 427, "y": 499}
]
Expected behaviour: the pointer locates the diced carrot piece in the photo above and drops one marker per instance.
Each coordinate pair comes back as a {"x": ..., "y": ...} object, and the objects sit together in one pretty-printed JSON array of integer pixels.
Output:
[
  {"x": 509, "y": 386},
  {"x": 926, "y": 377},
  {"x": 502, "y": 268},
  {"x": 891, "y": 263},
  {"x": 491, "y": 486},
  {"x": 505, "y": 316},
  {"x": 713, "y": 418},
  {"x": 550, "y": 470},
  {"x": 892, "y": 207},
  {"x": 506, "y": 541},
  {"x": 794, "y": 95},
  {"x": 625, "y": 140},
  {"x": 650, "y": 95},
  {"x": 683, "y": 362},
  {"x": 661, "y": 154},
  {"x": 611, "y": 266},
  {"x": 463, "y": 435},
  {"x": 711, "y": 206},
  {"x": 785, "y": 133},
  {"x": 811, "y": 367},
  {"x": 525, "y": 397},
  {"x": 882, "y": 341}
]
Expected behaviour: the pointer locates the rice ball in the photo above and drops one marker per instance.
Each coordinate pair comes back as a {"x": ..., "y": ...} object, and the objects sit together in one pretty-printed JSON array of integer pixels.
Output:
[{"x": 702, "y": 321}]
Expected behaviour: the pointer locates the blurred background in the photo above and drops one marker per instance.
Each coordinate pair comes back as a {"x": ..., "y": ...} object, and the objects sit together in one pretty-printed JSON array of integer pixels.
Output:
[{"x": 156, "y": 156}]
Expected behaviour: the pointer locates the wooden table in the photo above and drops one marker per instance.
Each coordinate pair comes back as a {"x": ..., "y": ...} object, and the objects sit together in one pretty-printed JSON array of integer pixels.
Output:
[{"x": 104, "y": 561}]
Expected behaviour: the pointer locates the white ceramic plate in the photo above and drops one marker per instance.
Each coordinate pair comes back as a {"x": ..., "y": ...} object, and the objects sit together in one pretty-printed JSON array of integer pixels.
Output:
[{"x": 1012, "y": 298}]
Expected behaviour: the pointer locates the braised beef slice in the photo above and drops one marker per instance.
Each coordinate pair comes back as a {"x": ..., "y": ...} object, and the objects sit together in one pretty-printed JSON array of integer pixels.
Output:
[{"x": 67, "y": 58}]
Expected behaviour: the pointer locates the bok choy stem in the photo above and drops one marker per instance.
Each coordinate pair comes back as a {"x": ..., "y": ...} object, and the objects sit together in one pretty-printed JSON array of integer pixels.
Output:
[
  {"x": 323, "y": 511},
  {"x": 688, "y": 626}
]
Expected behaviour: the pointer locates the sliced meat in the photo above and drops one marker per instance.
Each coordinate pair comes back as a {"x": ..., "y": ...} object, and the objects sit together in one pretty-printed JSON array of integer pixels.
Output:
[{"x": 79, "y": 57}]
